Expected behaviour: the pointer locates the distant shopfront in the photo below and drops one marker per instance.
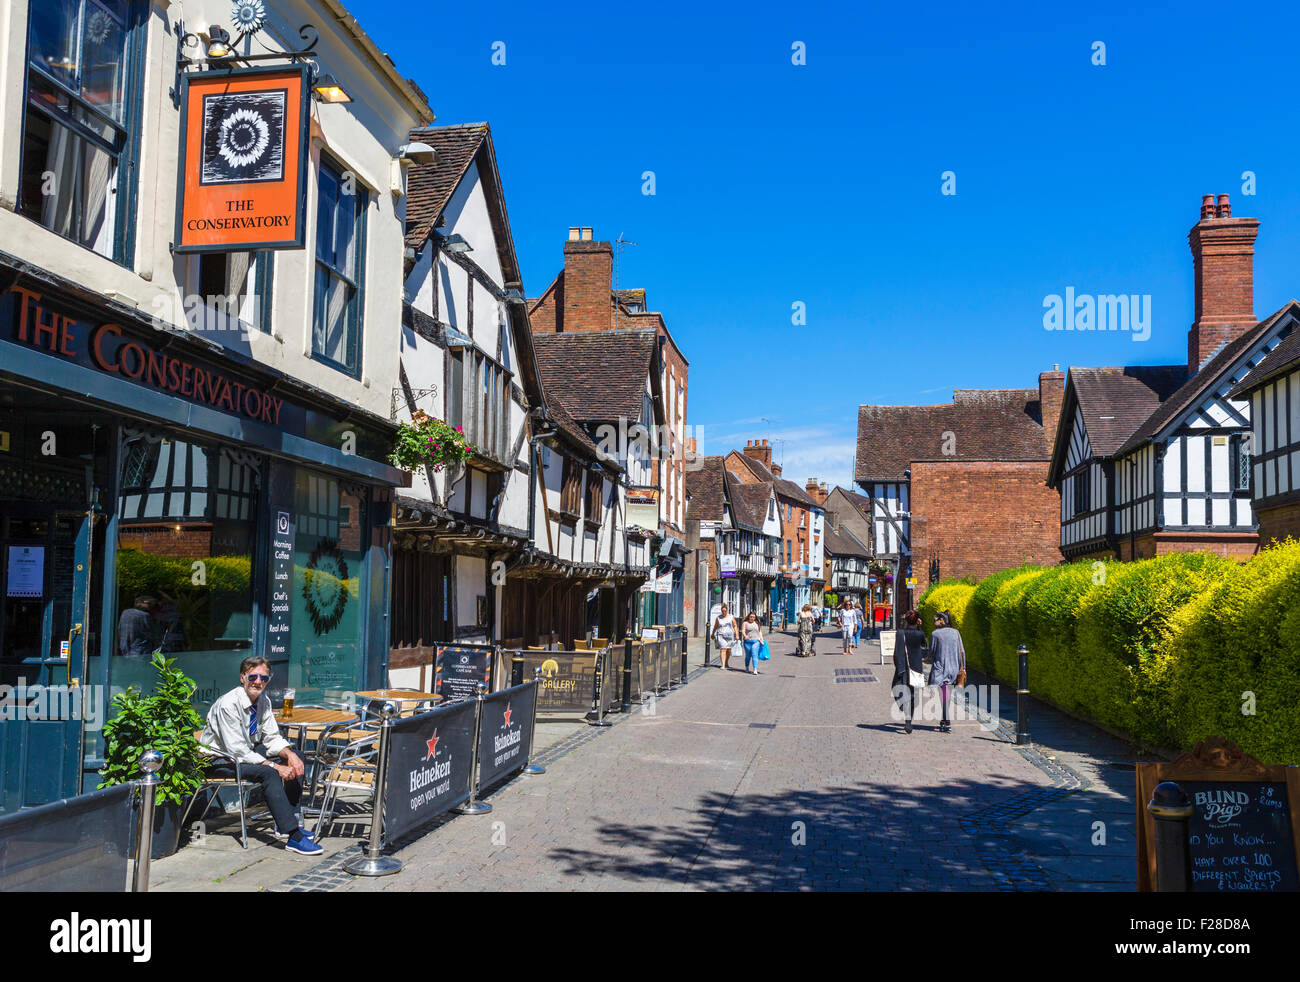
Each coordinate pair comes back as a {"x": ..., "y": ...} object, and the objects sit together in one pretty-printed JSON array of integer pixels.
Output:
[{"x": 159, "y": 493}]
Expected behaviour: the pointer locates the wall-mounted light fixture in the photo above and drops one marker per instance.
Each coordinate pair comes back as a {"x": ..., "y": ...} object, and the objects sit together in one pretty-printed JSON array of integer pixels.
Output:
[
  {"x": 328, "y": 89},
  {"x": 456, "y": 245},
  {"x": 416, "y": 153},
  {"x": 218, "y": 46}
]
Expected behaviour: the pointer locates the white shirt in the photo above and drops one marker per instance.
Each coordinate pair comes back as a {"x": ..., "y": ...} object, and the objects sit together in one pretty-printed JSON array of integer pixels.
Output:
[{"x": 227, "y": 727}]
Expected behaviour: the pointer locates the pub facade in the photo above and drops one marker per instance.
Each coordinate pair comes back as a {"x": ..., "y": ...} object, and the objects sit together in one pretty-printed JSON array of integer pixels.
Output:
[{"x": 200, "y": 301}]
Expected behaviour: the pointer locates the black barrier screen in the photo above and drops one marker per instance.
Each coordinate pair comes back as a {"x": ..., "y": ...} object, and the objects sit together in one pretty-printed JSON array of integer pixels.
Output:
[
  {"x": 430, "y": 766},
  {"x": 506, "y": 738},
  {"x": 610, "y": 681},
  {"x": 568, "y": 680},
  {"x": 79, "y": 844},
  {"x": 460, "y": 668}
]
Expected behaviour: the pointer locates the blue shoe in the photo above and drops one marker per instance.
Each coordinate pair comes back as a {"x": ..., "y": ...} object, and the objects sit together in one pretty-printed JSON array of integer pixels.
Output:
[
  {"x": 285, "y": 836},
  {"x": 303, "y": 845}
]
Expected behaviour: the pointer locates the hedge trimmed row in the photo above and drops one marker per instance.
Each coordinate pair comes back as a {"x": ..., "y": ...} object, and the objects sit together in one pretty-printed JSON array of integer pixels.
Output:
[{"x": 1166, "y": 650}]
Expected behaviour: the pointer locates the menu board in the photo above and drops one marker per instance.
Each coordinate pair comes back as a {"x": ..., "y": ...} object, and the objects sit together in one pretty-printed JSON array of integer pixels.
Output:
[
  {"x": 26, "y": 576},
  {"x": 459, "y": 669},
  {"x": 1242, "y": 835},
  {"x": 277, "y": 624}
]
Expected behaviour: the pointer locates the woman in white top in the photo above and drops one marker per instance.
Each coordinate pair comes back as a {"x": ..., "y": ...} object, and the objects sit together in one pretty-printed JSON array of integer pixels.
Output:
[{"x": 725, "y": 634}]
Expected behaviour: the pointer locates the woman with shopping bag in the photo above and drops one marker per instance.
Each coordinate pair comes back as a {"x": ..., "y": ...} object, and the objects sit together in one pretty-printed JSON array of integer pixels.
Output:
[
  {"x": 947, "y": 662},
  {"x": 753, "y": 637},
  {"x": 909, "y": 666}
]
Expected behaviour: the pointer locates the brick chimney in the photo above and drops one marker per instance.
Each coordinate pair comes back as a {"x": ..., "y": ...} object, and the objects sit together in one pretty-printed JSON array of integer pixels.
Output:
[
  {"x": 776, "y": 470},
  {"x": 1223, "y": 256},
  {"x": 759, "y": 451},
  {"x": 816, "y": 491},
  {"x": 1051, "y": 393},
  {"x": 588, "y": 279}
]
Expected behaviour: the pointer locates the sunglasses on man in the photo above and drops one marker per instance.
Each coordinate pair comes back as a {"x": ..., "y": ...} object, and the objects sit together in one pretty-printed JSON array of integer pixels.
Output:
[{"x": 258, "y": 677}]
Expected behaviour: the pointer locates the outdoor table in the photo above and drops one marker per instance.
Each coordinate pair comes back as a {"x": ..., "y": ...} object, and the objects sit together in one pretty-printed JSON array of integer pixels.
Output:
[
  {"x": 399, "y": 696},
  {"x": 324, "y": 721}
]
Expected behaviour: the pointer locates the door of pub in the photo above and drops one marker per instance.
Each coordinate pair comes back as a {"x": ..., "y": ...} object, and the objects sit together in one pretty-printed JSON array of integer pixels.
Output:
[{"x": 44, "y": 587}]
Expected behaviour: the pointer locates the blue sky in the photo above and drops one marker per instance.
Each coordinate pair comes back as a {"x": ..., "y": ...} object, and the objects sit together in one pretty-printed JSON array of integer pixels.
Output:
[{"x": 821, "y": 183}]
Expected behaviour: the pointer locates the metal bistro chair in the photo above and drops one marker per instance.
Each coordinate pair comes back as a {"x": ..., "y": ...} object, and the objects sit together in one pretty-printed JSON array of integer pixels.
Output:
[
  {"x": 215, "y": 784},
  {"x": 355, "y": 770}
]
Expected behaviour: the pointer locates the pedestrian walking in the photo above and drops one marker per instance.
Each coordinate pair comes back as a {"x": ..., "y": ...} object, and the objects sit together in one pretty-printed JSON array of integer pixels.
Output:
[
  {"x": 807, "y": 621},
  {"x": 753, "y": 638},
  {"x": 725, "y": 634},
  {"x": 857, "y": 624},
  {"x": 947, "y": 662},
  {"x": 845, "y": 623},
  {"x": 909, "y": 666}
]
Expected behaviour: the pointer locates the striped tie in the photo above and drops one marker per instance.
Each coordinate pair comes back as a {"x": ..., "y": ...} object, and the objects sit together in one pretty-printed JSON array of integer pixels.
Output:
[{"x": 252, "y": 722}]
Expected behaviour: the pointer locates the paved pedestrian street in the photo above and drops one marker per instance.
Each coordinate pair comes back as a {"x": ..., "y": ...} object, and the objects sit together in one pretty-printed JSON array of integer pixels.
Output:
[{"x": 797, "y": 779}]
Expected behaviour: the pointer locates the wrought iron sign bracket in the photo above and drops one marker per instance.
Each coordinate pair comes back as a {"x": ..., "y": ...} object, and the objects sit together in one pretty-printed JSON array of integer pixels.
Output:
[
  {"x": 189, "y": 41},
  {"x": 415, "y": 394}
]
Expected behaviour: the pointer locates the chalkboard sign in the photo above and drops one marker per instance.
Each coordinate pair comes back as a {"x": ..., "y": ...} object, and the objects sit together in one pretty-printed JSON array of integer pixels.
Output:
[{"x": 1242, "y": 834}]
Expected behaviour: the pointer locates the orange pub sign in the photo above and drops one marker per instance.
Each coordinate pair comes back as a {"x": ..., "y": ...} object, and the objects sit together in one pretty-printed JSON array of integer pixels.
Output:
[{"x": 243, "y": 160}]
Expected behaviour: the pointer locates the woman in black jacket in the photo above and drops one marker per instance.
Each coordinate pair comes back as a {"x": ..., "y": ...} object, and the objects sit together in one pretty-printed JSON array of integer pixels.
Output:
[{"x": 909, "y": 654}]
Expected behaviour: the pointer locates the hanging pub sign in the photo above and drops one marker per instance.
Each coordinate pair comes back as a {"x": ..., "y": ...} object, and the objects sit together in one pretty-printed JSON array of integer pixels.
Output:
[{"x": 243, "y": 160}]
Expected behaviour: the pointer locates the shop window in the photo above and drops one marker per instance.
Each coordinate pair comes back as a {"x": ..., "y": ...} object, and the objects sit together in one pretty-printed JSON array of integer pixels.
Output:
[
  {"x": 326, "y": 655},
  {"x": 478, "y": 401},
  {"x": 76, "y": 128},
  {"x": 340, "y": 249},
  {"x": 185, "y": 523}
]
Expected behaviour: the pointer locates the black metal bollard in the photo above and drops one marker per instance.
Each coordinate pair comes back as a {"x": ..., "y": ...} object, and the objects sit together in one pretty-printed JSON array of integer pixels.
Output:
[
  {"x": 1022, "y": 698},
  {"x": 517, "y": 669},
  {"x": 627, "y": 674},
  {"x": 708, "y": 636},
  {"x": 683, "y": 656},
  {"x": 1171, "y": 809}
]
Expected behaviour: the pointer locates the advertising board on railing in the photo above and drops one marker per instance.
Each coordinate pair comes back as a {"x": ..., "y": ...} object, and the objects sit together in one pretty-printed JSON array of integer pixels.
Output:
[
  {"x": 459, "y": 668},
  {"x": 506, "y": 733},
  {"x": 430, "y": 766}
]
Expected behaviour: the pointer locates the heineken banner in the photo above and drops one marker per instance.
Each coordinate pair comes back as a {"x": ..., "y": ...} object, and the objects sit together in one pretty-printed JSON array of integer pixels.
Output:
[
  {"x": 459, "y": 668},
  {"x": 506, "y": 734},
  {"x": 430, "y": 766}
]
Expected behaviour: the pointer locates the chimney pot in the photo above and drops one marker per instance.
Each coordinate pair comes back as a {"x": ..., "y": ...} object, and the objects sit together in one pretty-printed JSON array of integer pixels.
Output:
[
  {"x": 1224, "y": 210},
  {"x": 586, "y": 234},
  {"x": 574, "y": 235}
]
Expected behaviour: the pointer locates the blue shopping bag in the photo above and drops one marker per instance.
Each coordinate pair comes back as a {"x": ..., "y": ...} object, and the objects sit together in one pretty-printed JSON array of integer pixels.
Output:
[{"x": 763, "y": 654}]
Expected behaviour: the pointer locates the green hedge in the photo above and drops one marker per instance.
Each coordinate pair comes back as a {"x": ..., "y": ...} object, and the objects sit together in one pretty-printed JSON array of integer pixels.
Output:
[{"x": 1166, "y": 650}]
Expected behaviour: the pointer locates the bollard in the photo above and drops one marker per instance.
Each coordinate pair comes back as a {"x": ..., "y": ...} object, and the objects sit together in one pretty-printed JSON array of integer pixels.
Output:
[
  {"x": 1022, "y": 698},
  {"x": 684, "y": 646},
  {"x": 517, "y": 668},
  {"x": 474, "y": 806},
  {"x": 1171, "y": 808},
  {"x": 708, "y": 636},
  {"x": 371, "y": 862},
  {"x": 627, "y": 674},
  {"x": 150, "y": 762},
  {"x": 532, "y": 770}
]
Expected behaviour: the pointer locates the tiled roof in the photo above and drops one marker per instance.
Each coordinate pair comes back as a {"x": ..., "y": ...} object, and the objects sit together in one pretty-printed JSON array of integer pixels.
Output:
[
  {"x": 749, "y": 503},
  {"x": 430, "y": 186},
  {"x": 1115, "y": 401},
  {"x": 568, "y": 425},
  {"x": 842, "y": 542},
  {"x": 788, "y": 489},
  {"x": 986, "y": 424},
  {"x": 600, "y": 375},
  {"x": 1279, "y": 361},
  {"x": 704, "y": 487},
  {"x": 1195, "y": 388}
]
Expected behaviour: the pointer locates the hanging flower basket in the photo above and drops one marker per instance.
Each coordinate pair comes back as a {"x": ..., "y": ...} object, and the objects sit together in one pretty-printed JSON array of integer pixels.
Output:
[{"x": 426, "y": 441}]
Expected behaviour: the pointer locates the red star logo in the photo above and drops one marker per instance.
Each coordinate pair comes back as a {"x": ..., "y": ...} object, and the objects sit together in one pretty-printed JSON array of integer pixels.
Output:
[
  {"x": 432, "y": 744},
  {"x": 507, "y": 722}
]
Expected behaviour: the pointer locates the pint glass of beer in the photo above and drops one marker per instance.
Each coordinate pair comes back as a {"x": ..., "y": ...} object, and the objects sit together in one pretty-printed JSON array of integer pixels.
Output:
[{"x": 288, "y": 703}]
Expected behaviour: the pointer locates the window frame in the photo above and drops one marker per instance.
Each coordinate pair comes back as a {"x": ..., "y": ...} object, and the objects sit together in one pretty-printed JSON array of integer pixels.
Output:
[
  {"x": 1240, "y": 463},
  {"x": 484, "y": 411},
  {"x": 570, "y": 488},
  {"x": 126, "y": 190},
  {"x": 1082, "y": 490},
  {"x": 362, "y": 208}
]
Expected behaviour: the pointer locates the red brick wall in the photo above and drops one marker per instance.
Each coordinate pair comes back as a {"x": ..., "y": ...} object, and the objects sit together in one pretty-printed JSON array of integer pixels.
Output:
[
  {"x": 588, "y": 273},
  {"x": 1231, "y": 545},
  {"x": 981, "y": 517},
  {"x": 1278, "y": 523}
]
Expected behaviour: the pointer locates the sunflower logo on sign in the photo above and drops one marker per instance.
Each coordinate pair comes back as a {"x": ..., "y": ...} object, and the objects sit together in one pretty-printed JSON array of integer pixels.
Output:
[
  {"x": 243, "y": 137},
  {"x": 325, "y": 587},
  {"x": 248, "y": 16}
]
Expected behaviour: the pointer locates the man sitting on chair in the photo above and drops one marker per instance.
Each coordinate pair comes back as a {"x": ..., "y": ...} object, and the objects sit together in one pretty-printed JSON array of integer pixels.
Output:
[{"x": 242, "y": 725}]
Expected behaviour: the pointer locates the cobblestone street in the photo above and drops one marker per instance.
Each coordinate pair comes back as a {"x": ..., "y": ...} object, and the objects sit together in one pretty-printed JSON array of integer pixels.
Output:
[{"x": 797, "y": 779}]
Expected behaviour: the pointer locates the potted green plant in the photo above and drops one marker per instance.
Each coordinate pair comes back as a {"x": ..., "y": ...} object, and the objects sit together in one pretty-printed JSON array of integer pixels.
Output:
[
  {"x": 165, "y": 721},
  {"x": 429, "y": 442}
]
